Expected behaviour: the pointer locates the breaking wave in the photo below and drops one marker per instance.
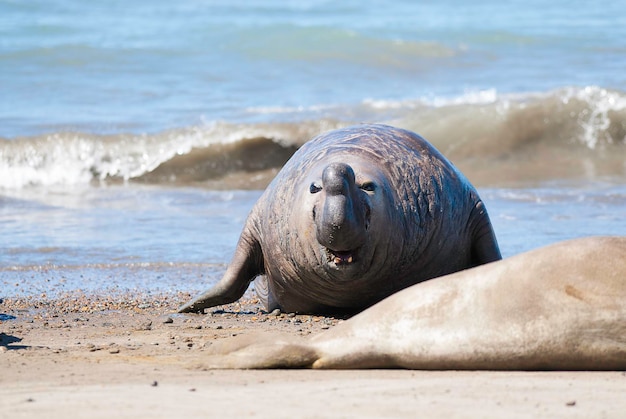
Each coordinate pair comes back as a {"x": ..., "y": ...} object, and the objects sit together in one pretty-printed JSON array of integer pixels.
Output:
[{"x": 491, "y": 137}]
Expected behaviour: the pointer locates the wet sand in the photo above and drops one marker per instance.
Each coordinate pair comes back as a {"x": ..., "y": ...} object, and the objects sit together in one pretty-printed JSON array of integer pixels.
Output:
[{"x": 117, "y": 356}]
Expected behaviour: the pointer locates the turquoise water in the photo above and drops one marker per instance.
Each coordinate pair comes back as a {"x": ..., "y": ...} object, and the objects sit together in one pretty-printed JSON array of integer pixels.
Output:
[
  {"x": 135, "y": 136},
  {"x": 146, "y": 66}
]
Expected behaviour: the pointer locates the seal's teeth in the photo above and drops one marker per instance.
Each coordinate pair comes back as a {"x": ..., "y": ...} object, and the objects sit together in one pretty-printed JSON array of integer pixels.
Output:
[
  {"x": 337, "y": 260},
  {"x": 350, "y": 259}
]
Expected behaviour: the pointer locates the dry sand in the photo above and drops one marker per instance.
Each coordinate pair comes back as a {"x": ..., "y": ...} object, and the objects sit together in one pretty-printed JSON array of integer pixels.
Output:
[{"x": 117, "y": 357}]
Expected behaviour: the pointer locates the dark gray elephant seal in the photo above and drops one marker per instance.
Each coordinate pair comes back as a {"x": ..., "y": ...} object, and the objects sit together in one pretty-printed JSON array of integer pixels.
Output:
[
  {"x": 562, "y": 307},
  {"x": 354, "y": 216}
]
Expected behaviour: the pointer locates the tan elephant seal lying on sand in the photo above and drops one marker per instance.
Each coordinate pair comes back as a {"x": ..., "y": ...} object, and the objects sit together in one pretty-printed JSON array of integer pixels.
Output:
[
  {"x": 562, "y": 307},
  {"x": 355, "y": 215}
]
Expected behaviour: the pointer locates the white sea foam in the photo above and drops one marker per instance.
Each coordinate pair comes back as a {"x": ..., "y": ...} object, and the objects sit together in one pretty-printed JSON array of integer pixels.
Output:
[
  {"x": 598, "y": 116},
  {"x": 473, "y": 125}
]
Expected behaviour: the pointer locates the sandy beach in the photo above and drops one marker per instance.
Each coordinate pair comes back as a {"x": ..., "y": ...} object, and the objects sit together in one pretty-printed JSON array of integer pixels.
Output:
[{"x": 116, "y": 356}]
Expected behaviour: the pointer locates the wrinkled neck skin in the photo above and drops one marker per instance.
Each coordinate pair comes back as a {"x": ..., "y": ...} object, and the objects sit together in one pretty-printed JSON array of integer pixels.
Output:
[{"x": 343, "y": 220}]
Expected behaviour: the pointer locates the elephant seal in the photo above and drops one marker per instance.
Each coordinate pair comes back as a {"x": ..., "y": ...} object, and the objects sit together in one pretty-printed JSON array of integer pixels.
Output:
[
  {"x": 355, "y": 215},
  {"x": 561, "y": 307}
]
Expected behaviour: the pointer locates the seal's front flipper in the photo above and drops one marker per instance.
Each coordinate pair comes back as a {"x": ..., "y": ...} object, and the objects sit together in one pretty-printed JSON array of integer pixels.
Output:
[
  {"x": 485, "y": 247},
  {"x": 247, "y": 263},
  {"x": 261, "y": 351}
]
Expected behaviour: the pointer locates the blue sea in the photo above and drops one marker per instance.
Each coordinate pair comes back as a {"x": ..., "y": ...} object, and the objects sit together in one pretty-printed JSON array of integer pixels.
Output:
[{"x": 136, "y": 136}]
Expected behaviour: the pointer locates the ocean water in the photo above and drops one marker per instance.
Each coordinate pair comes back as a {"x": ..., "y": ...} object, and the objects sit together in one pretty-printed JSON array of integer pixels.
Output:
[{"x": 136, "y": 136}]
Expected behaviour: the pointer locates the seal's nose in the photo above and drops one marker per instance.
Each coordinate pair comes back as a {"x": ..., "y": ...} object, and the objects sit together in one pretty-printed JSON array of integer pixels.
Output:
[
  {"x": 341, "y": 223},
  {"x": 338, "y": 178}
]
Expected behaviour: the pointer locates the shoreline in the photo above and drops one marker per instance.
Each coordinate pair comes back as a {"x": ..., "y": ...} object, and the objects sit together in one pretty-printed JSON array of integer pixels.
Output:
[{"x": 134, "y": 357}]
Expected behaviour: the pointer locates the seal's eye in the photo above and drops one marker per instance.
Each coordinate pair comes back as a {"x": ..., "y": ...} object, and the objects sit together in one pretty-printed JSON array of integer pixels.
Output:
[
  {"x": 368, "y": 187},
  {"x": 314, "y": 188}
]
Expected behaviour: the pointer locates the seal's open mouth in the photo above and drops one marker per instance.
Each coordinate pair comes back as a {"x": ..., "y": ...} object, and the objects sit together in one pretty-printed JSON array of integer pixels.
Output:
[{"x": 341, "y": 258}]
